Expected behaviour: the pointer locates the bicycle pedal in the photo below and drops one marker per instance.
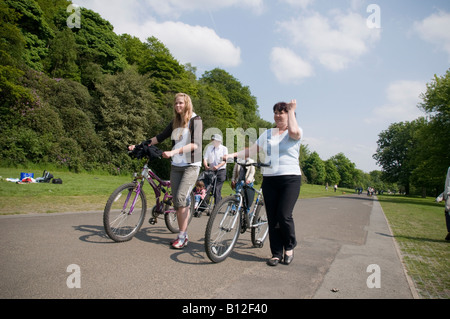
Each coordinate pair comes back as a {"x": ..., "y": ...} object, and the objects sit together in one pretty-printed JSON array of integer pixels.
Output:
[{"x": 153, "y": 221}]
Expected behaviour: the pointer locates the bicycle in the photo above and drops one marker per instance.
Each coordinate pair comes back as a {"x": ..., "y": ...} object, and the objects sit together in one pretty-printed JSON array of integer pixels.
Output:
[
  {"x": 126, "y": 207},
  {"x": 232, "y": 216},
  {"x": 207, "y": 204}
]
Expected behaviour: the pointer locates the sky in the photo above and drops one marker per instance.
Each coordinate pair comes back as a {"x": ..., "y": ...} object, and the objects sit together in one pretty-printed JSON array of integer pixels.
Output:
[{"x": 354, "y": 66}]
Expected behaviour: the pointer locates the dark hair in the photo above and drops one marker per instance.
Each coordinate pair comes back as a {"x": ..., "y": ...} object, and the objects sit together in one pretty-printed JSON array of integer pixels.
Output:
[{"x": 280, "y": 107}]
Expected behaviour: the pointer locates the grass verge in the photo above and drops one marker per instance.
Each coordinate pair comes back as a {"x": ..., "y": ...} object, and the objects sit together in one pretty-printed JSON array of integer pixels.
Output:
[{"x": 419, "y": 228}]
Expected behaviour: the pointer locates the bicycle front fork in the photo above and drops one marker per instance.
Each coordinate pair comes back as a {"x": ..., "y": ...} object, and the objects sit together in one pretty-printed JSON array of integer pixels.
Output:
[{"x": 136, "y": 190}]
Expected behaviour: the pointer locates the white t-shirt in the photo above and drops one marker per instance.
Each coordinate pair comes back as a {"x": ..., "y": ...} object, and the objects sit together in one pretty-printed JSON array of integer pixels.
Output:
[
  {"x": 180, "y": 141},
  {"x": 281, "y": 151}
]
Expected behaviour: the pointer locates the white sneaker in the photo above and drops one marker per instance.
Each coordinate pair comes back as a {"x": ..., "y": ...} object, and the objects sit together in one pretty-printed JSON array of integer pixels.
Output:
[{"x": 180, "y": 243}]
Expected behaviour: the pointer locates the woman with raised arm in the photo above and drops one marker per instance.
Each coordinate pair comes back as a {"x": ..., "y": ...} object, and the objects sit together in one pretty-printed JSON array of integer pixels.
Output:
[
  {"x": 185, "y": 130},
  {"x": 282, "y": 181}
]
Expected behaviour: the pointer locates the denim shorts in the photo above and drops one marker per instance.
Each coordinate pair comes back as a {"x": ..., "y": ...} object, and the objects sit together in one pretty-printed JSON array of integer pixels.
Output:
[{"x": 182, "y": 180}]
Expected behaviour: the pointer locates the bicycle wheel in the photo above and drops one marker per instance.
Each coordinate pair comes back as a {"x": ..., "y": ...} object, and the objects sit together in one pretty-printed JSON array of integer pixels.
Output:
[
  {"x": 171, "y": 218},
  {"x": 260, "y": 225},
  {"x": 120, "y": 222},
  {"x": 222, "y": 230}
]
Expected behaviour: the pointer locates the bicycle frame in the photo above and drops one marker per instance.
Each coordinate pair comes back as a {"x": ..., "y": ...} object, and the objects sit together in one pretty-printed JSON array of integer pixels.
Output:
[
  {"x": 240, "y": 187},
  {"x": 159, "y": 186}
]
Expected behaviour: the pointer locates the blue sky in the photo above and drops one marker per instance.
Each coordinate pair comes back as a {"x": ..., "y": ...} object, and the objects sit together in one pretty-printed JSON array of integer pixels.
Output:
[{"x": 352, "y": 70}]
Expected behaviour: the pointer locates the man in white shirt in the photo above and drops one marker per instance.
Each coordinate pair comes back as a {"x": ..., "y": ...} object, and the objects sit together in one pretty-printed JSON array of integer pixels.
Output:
[{"x": 213, "y": 161}]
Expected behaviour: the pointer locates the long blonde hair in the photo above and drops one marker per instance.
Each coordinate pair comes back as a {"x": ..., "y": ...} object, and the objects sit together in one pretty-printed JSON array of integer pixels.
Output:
[{"x": 182, "y": 120}]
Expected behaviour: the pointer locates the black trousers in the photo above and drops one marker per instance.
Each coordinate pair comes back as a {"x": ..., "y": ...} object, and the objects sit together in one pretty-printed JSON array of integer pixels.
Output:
[
  {"x": 221, "y": 177},
  {"x": 280, "y": 196}
]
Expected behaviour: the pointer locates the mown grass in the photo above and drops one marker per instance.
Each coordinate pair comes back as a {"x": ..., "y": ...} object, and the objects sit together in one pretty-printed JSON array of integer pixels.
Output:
[
  {"x": 78, "y": 192},
  {"x": 419, "y": 228},
  {"x": 85, "y": 192}
]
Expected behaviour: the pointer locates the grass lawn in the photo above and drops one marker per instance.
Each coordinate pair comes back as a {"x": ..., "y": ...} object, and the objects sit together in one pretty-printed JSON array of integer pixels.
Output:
[
  {"x": 419, "y": 228},
  {"x": 86, "y": 192},
  {"x": 78, "y": 192}
]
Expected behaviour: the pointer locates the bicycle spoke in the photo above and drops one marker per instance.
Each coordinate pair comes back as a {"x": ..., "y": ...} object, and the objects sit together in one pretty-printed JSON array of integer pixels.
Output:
[
  {"x": 222, "y": 230},
  {"x": 260, "y": 226},
  {"x": 117, "y": 224}
]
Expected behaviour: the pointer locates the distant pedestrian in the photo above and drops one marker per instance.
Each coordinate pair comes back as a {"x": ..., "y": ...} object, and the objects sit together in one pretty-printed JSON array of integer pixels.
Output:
[{"x": 446, "y": 196}]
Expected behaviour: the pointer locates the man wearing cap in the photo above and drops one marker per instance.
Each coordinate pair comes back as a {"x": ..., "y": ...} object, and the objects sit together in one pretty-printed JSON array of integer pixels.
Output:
[{"x": 213, "y": 161}]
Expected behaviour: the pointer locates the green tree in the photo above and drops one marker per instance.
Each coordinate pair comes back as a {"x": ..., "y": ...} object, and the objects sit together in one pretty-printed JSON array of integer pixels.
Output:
[
  {"x": 12, "y": 47},
  {"x": 314, "y": 169},
  {"x": 346, "y": 170},
  {"x": 96, "y": 42},
  {"x": 431, "y": 156},
  {"x": 395, "y": 152},
  {"x": 215, "y": 110},
  {"x": 134, "y": 50},
  {"x": 237, "y": 95},
  {"x": 35, "y": 30},
  {"x": 125, "y": 110},
  {"x": 62, "y": 56},
  {"x": 51, "y": 8},
  {"x": 332, "y": 175},
  {"x": 169, "y": 76}
]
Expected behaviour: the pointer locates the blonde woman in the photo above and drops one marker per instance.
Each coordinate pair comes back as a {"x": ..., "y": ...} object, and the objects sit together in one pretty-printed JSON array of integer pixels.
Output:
[{"x": 185, "y": 130}]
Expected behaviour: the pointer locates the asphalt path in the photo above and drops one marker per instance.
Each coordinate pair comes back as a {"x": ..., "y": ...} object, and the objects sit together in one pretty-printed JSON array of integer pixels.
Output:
[{"x": 345, "y": 250}]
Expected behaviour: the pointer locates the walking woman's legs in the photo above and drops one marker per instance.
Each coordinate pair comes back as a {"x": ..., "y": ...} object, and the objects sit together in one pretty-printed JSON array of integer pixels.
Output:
[
  {"x": 285, "y": 209},
  {"x": 280, "y": 195}
]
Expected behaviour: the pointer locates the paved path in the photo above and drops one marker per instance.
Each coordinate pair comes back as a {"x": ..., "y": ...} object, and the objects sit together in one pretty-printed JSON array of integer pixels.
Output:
[{"x": 339, "y": 238}]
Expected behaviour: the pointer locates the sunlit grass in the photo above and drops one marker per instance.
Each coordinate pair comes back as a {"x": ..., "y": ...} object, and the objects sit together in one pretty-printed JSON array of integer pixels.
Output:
[{"x": 419, "y": 228}]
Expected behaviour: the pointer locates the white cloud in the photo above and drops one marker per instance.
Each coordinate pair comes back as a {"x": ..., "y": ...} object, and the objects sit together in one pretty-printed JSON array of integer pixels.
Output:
[
  {"x": 435, "y": 30},
  {"x": 334, "y": 42},
  {"x": 401, "y": 105},
  {"x": 289, "y": 67},
  {"x": 198, "y": 45}
]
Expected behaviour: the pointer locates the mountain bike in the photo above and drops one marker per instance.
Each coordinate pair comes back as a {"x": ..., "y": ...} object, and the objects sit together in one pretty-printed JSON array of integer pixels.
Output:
[
  {"x": 126, "y": 208},
  {"x": 232, "y": 216}
]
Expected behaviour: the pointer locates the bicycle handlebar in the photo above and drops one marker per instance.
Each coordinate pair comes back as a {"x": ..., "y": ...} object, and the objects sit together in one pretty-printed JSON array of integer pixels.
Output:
[
  {"x": 256, "y": 164},
  {"x": 145, "y": 150}
]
